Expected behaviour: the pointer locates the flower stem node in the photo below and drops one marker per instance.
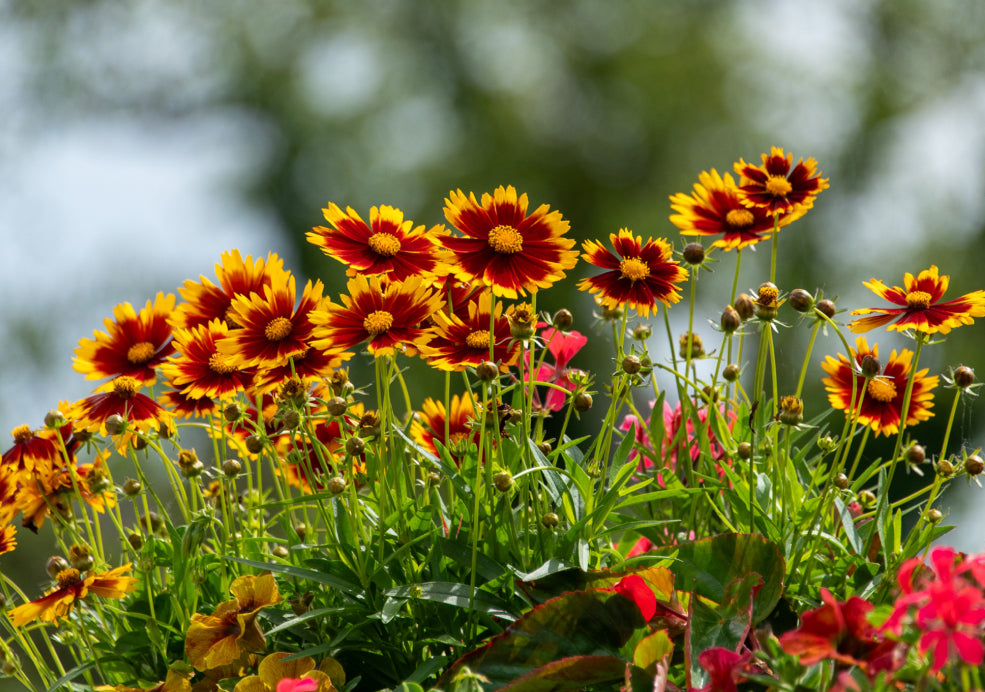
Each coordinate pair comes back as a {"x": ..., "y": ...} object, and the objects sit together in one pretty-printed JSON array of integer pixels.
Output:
[
  {"x": 550, "y": 520},
  {"x": 800, "y": 300},
  {"x": 731, "y": 319},
  {"x": 974, "y": 465},
  {"x": 631, "y": 364},
  {"x": 354, "y": 446},
  {"x": 945, "y": 468},
  {"x": 731, "y": 372},
  {"x": 503, "y": 481},
  {"x": 563, "y": 320},
  {"x": 486, "y": 371},
  {"x": 694, "y": 253}
]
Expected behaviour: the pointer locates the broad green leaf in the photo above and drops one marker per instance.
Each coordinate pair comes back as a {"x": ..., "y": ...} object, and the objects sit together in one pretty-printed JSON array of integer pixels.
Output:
[
  {"x": 454, "y": 594},
  {"x": 652, "y": 649}
]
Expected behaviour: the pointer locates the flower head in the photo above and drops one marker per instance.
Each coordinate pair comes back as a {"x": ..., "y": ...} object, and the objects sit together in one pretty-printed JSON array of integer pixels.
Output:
[
  {"x": 71, "y": 586},
  {"x": 200, "y": 369},
  {"x": 777, "y": 185},
  {"x": 637, "y": 276},
  {"x": 715, "y": 207},
  {"x": 562, "y": 346},
  {"x": 878, "y": 399},
  {"x": 123, "y": 398},
  {"x": 428, "y": 425},
  {"x": 134, "y": 344},
  {"x": 504, "y": 247},
  {"x": 388, "y": 245},
  {"x": 458, "y": 343},
  {"x": 920, "y": 308}
]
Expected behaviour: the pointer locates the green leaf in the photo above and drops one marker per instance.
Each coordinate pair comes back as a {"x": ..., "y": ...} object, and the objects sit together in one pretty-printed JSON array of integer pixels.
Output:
[
  {"x": 848, "y": 523},
  {"x": 347, "y": 587},
  {"x": 652, "y": 649},
  {"x": 453, "y": 594}
]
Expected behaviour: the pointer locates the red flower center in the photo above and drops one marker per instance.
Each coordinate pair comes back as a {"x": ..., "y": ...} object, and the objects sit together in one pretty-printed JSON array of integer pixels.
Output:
[
  {"x": 479, "y": 339},
  {"x": 278, "y": 329},
  {"x": 918, "y": 299},
  {"x": 506, "y": 240},
  {"x": 125, "y": 387},
  {"x": 739, "y": 218},
  {"x": 634, "y": 269},
  {"x": 378, "y": 322},
  {"x": 140, "y": 353},
  {"x": 384, "y": 244},
  {"x": 778, "y": 186},
  {"x": 881, "y": 389}
]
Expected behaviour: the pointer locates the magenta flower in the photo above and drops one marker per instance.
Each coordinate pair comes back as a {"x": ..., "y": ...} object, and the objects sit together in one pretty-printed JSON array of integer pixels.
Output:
[
  {"x": 672, "y": 425},
  {"x": 724, "y": 669},
  {"x": 562, "y": 346},
  {"x": 297, "y": 685}
]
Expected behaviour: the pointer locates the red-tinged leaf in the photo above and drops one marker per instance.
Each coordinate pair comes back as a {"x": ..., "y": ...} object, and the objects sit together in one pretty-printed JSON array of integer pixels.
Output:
[
  {"x": 575, "y": 673},
  {"x": 653, "y": 649}
]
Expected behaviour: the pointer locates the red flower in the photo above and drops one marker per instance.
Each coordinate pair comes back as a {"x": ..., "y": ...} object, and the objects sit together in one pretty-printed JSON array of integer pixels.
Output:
[
  {"x": 837, "y": 631},
  {"x": 562, "y": 346},
  {"x": 635, "y": 588},
  {"x": 724, "y": 669},
  {"x": 778, "y": 186}
]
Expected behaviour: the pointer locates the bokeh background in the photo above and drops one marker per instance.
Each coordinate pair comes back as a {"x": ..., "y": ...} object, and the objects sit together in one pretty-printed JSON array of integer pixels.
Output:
[{"x": 142, "y": 139}]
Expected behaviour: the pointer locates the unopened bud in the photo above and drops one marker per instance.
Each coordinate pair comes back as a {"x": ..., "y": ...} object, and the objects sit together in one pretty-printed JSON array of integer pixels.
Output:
[
  {"x": 336, "y": 484},
  {"x": 336, "y": 406},
  {"x": 56, "y": 564},
  {"x": 486, "y": 371},
  {"x": 135, "y": 540},
  {"x": 291, "y": 419},
  {"x": 550, "y": 520},
  {"x": 870, "y": 366},
  {"x": 115, "y": 424},
  {"x": 731, "y": 320},
  {"x": 841, "y": 481},
  {"x": 691, "y": 346},
  {"x": 745, "y": 306},
  {"x": 641, "y": 332},
  {"x": 301, "y": 530},
  {"x": 631, "y": 364},
  {"x": 867, "y": 498},
  {"x": 916, "y": 455},
  {"x": 231, "y": 467},
  {"x": 54, "y": 418},
  {"x": 694, "y": 253},
  {"x": 80, "y": 556},
  {"x": 964, "y": 376},
  {"x": 945, "y": 468},
  {"x": 744, "y": 450},
  {"x": 254, "y": 444},
  {"x": 280, "y": 551},
  {"x": 583, "y": 402},
  {"x": 934, "y": 516},
  {"x": 800, "y": 300},
  {"x": 232, "y": 412},
  {"x": 826, "y": 307},
  {"x": 503, "y": 481},
  {"x": 354, "y": 446},
  {"x": 974, "y": 465},
  {"x": 563, "y": 319},
  {"x": 731, "y": 372}
]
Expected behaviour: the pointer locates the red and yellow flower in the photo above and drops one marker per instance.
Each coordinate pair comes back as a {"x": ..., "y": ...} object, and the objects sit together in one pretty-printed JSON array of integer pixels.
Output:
[
  {"x": 388, "y": 245},
  {"x": 121, "y": 397},
  {"x": 637, "y": 276},
  {"x": 919, "y": 304},
  {"x": 429, "y": 423},
  {"x": 715, "y": 208},
  {"x": 39, "y": 451},
  {"x": 460, "y": 343},
  {"x": 387, "y": 316},
  {"x": 777, "y": 185},
  {"x": 205, "y": 301},
  {"x": 878, "y": 400},
  {"x": 8, "y": 538},
  {"x": 57, "y": 603},
  {"x": 199, "y": 369},
  {"x": 273, "y": 329},
  {"x": 504, "y": 247},
  {"x": 134, "y": 344}
]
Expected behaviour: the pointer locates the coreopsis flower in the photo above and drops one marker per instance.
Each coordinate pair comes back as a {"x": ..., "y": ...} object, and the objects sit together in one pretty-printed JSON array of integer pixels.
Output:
[
  {"x": 388, "y": 245},
  {"x": 71, "y": 586},
  {"x": 204, "y": 301},
  {"x": 39, "y": 495},
  {"x": 563, "y": 346},
  {"x": 638, "y": 275},
  {"x": 920, "y": 307},
  {"x": 8, "y": 537},
  {"x": 123, "y": 398},
  {"x": 878, "y": 399},
  {"x": 715, "y": 208},
  {"x": 310, "y": 364},
  {"x": 184, "y": 406},
  {"x": 272, "y": 328},
  {"x": 177, "y": 680},
  {"x": 504, "y": 247},
  {"x": 428, "y": 425},
  {"x": 777, "y": 185},
  {"x": 231, "y": 631},
  {"x": 949, "y": 608},
  {"x": 134, "y": 344},
  {"x": 387, "y": 317},
  {"x": 462, "y": 341},
  {"x": 199, "y": 369},
  {"x": 39, "y": 451}
]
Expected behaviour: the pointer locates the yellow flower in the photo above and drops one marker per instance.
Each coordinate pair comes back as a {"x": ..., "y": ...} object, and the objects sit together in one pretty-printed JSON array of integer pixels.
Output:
[{"x": 72, "y": 586}]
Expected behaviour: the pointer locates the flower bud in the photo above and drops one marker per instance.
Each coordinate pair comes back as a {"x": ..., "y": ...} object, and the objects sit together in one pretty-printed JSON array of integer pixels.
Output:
[
  {"x": 550, "y": 520},
  {"x": 867, "y": 498},
  {"x": 56, "y": 564},
  {"x": 336, "y": 484},
  {"x": 115, "y": 424},
  {"x": 254, "y": 444},
  {"x": 80, "y": 556},
  {"x": 545, "y": 447},
  {"x": 841, "y": 481},
  {"x": 291, "y": 419},
  {"x": 945, "y": 468},
  {"x": 280, "y": 551},
  {"x": 731, "y": 320},
  {"x": 974, "y": 465},
  {"x": 744, "y": 450},
  {"x": 964, "y": 376},
  {"x": 301, "y": 529},
  {"x": 916, "y": 455},
  {"x": 336, "y": 406},
  {"x": 745, "y": 306},
  {"x": 631, "y": 364},
  {"x": 791, "y": 410},
  {"x": 826, "y": 307},
  {"x": 231, "y": 467},
  {"x": 563, "y": 319},
  {"x": 694, "y": 253},
  {"x": 691, "y": 346},
  {"x": 434, "y": 478},
  {"x": 355, "y": 446},
  {"x": 934, "y": 516},
  {"x": 232, "y": 412},
  {"x": 503, "y": 481},
  {"x": 54, "y": 418},
  {"x": 583, "y": 402},
  {"x": 132, "y": 487},
  {"x": 827, "y": 444},
  {"x": 641, "y": 332},
  {"x": 800, "y": 300},
  {"x": 870, "y": 366},
  {"x": 293, "y": 391},
  {"x": 731, "y": 372},
  {"x": 188, "y": 463},
  {"x": 486, "y": 371}
]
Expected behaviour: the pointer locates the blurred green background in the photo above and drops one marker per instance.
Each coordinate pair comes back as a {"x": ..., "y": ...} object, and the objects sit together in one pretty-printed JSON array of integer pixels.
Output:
[{"x": 142, "y": 139}]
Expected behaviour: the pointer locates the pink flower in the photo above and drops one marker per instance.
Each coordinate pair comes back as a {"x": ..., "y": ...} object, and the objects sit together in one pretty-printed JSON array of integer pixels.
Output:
[
  {"x": 562, "y": 346},
  {"x": 950, "y": 609},
  {"x": 724, "y": 669},
  {"x": 297, "y": 685},
  {"x": 671, "y": 443}
]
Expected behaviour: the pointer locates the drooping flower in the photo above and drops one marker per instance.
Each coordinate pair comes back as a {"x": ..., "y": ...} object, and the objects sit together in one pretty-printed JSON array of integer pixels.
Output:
[
  {"x": 387, "y": 317},
  {"x": 504, "y": 247},
  {"x": 199, "y": 369},
  {"x": 205, "y": 301},
  {"x": 715, "y": 208},
  {"x": 134, "y": 344},
  {"x": 777, "y": 185},
  {"x": 878, "y": 400},
  {"x": 428, "y": 425},
  {"x": 920, "y": 308},
  {"x": 215, "y": 640},
  {"x": 638, "y": 275},
  {"x": 950, "y": 609},
  {"x": 273, "y": 329},
  {"x": 562, "y": 346},
  {"x": 71, "y": 587},
  {"x": 183, "y": 406},
  {"x": 388, "y": 245},
  {"x": 461, "y": 341},
  {"x": 38, "y": 451},
  {"x": 122, "y": 398}
]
